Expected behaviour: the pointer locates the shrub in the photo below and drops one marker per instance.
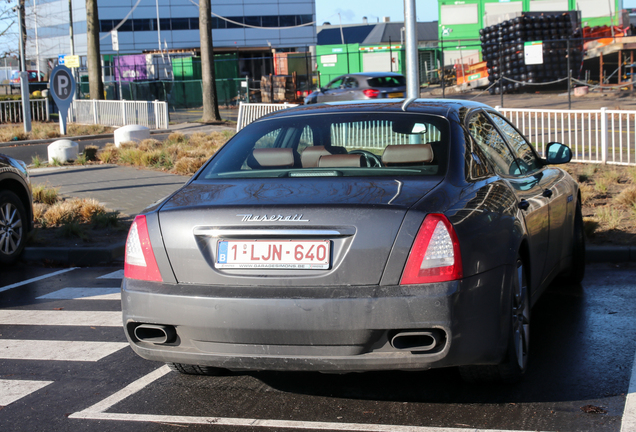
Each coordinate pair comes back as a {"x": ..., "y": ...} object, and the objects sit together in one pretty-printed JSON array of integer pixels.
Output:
[
  {"x": 36, "y": 162},
  {"x": 109, "y": 154},
  {"x": 44, "y": 194},
  {"x": 627, "y": 197},
  {"x": 90, "y": 152}
]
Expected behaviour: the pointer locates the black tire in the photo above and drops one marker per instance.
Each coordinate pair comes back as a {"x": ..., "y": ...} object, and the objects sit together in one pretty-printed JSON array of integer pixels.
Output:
[
  {"x": 574, "y": 275},
  {"x": 515, "y": 363},
  {"x": 197, "y": 370},
  {"x": 13, "y": 227}
]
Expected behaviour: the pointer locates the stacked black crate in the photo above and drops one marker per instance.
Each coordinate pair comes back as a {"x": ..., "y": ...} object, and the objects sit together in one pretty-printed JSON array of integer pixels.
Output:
[{"x": 503, "y": 49}]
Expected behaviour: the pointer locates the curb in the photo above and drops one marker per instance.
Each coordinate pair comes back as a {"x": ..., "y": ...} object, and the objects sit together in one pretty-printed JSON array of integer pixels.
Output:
[
  {"x": 93, "y": 256},
  {"x": 76, "y": 256},
  {"x": 76, "y": 138}
]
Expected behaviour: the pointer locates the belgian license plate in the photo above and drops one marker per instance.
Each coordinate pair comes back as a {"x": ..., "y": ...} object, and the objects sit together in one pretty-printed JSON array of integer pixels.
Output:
[
  {"x": 274, "y": 254},
  {"x": 396, "y": 94}
]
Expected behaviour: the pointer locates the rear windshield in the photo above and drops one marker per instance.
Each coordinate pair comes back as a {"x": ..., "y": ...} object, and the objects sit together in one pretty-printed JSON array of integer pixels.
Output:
[
  {"x": 325, "y": 145},
  {"x": 387, "y": 81}
]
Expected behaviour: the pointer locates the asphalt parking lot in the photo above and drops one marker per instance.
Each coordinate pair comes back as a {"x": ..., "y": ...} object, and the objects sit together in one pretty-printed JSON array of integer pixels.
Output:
[{"x": 65, "y": 366}]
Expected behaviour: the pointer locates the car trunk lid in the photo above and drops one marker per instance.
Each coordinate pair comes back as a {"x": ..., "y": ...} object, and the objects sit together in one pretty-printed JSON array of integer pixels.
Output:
[{"x": 349, "y": 224}]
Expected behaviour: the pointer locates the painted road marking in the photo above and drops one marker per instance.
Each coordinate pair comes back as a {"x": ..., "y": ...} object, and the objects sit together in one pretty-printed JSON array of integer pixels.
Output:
[
  {"x": 57, "y": 350},
  {"x": 119, "y": 274},
  {"x": 84, "y": 294},
  {"x": 12, "y": 390},
  {"x": 96, "y": 412},
  {"x": 61, "y": 318},
  {"x": 629, "y": 412},
  {"x": 35, "y": 279}
]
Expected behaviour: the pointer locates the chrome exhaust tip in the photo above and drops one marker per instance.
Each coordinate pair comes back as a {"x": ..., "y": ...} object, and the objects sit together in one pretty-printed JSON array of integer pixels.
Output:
[
  {"x": 416, "y": 341},
  {"x": 156, "y": 334}
]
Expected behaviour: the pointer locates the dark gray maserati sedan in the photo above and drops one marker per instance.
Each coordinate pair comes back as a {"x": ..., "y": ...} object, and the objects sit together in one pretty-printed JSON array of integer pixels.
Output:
[{"x": 357, "y": 236}]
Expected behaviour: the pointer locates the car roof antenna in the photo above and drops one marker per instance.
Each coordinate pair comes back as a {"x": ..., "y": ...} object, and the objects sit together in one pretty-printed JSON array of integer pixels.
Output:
[{"x": 407, "y": 102}]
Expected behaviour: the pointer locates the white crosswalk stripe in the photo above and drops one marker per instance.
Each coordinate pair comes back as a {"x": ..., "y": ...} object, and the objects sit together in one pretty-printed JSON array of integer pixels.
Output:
[
  {"x": 84, "y": 294},
  {"x": 12, "y": 390},
  {"x": 119, "y": 274},
  {"x": 57, "y": 350},
  {"x": 60, "y": 318}
]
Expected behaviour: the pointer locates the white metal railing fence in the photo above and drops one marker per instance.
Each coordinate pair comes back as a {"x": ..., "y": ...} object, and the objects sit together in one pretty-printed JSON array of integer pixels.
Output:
[
  {"x": 248, "y": 112},
  {"x": 11, "y": 111},
  {"x": 153, "y": 114},
  {"x": 595, "y": 136},
  {"x": 375, "y": 134}
]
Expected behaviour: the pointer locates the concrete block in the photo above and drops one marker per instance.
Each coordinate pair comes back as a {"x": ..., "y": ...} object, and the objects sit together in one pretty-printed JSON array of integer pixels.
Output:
[
  {"x": 131, "y": 133},
  {"x": 63, "y": 150}
]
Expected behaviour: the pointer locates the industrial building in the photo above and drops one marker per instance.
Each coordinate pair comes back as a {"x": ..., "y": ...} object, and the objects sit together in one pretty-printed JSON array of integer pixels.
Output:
[
  {"x": 240, "y": 26},
  {"x": 377, "y": 47},
  {"x": 460, "y": 22}
]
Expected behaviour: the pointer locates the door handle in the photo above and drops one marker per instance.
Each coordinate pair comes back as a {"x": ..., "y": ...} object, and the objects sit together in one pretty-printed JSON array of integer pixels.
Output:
[
  {"x": 524, "y": 205},
  {"x": 547, "y": 193}
]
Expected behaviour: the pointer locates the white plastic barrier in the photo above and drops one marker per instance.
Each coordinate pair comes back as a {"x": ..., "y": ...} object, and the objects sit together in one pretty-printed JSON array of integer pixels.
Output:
[
  {"x": 63, "y": 151},
  {"x": 131, "y": 133}
]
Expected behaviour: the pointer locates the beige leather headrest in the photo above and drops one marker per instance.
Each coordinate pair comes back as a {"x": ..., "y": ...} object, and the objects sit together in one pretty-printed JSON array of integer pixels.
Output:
[{"x": 407, "y": 154}]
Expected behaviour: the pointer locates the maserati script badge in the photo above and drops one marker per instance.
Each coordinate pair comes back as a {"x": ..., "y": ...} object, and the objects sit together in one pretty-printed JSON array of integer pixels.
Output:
[{"x": 272, "y": 218}]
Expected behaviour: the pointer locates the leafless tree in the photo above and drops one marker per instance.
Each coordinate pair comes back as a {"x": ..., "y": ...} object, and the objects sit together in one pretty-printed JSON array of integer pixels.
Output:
[
  {"x": 210, "y": 101},
  {"x": 93, "y": 61}
]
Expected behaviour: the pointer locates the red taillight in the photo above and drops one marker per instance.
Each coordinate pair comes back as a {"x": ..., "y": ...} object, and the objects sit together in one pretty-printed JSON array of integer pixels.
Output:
[
  {"x": 300, "y": 93},
  {"x": 140, "y": 262},
  {"x": 435, "y": 254},
  {"x": 371, "y": 93}
]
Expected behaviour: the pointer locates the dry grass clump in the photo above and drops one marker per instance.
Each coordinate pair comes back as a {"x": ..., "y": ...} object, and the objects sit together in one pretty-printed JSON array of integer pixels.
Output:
[
  {"x": 74, "y": 216},
  {"x": 189, "y": 165},
  {"x": 176, "y": 137},
  {"x": 149, "y": 144},
  {"x": 40, "y": 130},
  {"x": 627, "y": 197},
  {"x": 44, "y": 194},
  {"x": 587, "y": 193},
  {"x": 179, "y": 153},
  {"x": 601, "y": 185},
  {"x": 609, "y": 217}
]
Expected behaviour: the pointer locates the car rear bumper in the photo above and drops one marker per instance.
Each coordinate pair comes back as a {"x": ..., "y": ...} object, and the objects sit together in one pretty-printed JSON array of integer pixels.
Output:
[{"x": 330, "y": 329}]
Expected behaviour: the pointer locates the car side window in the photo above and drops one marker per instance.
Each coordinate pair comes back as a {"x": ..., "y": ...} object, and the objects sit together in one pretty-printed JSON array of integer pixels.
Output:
[
  {"x": 492, "y": 144},
  {"x": 334, "y": 84},
  {"x": 351, "y": 82},
  {"x": 526, "y": 159}
]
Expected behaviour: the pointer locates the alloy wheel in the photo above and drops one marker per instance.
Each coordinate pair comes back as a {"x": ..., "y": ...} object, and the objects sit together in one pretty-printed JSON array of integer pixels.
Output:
[{"x": 10, "y": 228}]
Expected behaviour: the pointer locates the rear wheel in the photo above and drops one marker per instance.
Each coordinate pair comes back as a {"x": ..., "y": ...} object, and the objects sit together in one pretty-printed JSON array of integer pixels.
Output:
[
  {"x": 13, "y": 227},
  {"x": 197, "y": 370},
  {"x": 515, "y": 363}
]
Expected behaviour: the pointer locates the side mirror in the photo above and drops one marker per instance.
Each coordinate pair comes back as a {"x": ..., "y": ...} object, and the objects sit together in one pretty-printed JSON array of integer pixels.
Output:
[{"x": 557, "y": 153}]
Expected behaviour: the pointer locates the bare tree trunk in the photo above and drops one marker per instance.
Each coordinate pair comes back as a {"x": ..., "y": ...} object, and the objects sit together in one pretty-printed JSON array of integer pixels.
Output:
[
  {"x": 94, "y": 57},
  {"x": 210, "y": 101}
]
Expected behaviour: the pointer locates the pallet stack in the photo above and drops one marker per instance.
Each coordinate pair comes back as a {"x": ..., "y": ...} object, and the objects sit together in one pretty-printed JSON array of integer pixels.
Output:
[{"x": 503, "y": 49}]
